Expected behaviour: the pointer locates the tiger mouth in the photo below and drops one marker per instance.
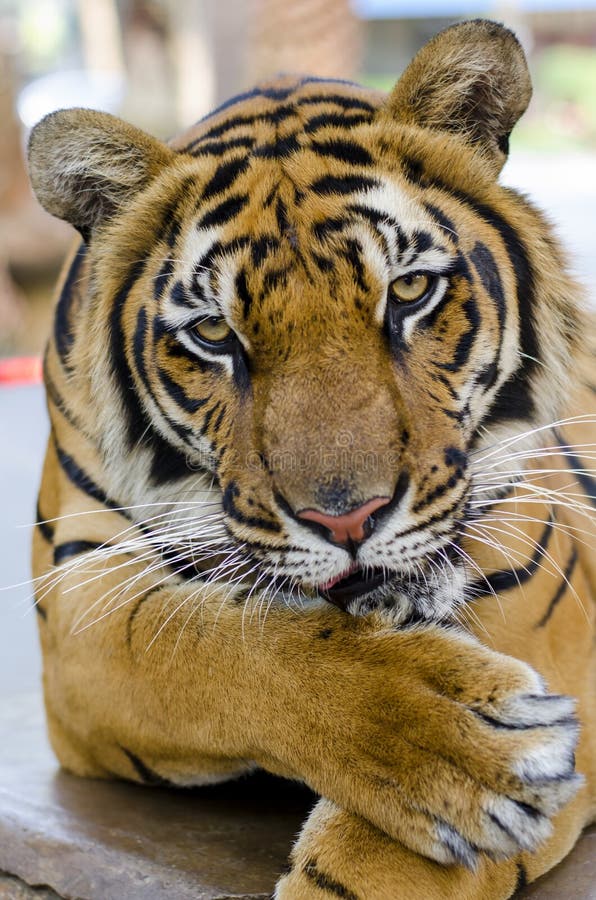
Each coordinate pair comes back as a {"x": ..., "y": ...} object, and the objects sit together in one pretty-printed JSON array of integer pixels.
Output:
[{"x": 355, "y": 583}]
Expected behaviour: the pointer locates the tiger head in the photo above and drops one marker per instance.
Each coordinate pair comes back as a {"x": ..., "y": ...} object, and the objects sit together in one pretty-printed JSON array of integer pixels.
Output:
[{"x": 303, "y": 318}]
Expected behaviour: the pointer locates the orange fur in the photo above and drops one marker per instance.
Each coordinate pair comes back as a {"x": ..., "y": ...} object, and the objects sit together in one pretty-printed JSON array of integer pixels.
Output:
[{"x": 183, "y": 598}]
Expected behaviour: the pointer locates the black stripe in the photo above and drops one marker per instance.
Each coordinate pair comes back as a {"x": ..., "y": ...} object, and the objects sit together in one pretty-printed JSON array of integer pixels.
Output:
[
  {"x": 353, "y": 252},
  {"x": 413, "y": 170},
  {"x": 281, "y": 216},
  {"x": 63, "y": 332},
  {"x": 243, "y": 292},
  {"x": 241, "y": 370},
  {"x": 151, "y": 435},
  {"x": 218, "y": 148},
  {"x": 208, "y": 416},
  {"x": 168, "y": 463},
  {"x": 161, "y": 279},
  {"x": 41, "y": 611},
  {"x": 325, "y": 883},
  {"x": 180, "y": 296},
  {"x": 321, "y": 230},
  {"x": 522, "y": 878},
  {"x": 138, "y": 345},
  {"x": 520, "y": 726},
  {"x": 447, "y": 224},
  {"x": 224, "y": 211},
  {"x": 338, "y": 100},
  {"x": 506, "y": 579},
  {"x": 484, "y": 263},
  {"x": 231, "y": 509},
  {"x": 435, "y": 519},
  {"x": 57, "y": 400},
  {"x": 169, "y": 227},
  {"x": 345, "y": 151},
  {"x": 513, "y": 400},
  {"x": 272, "y": 279},
  {"x": 46, "y": 528},
  {"x": 376, "y": 219},
  {"x": 587, "y": 482},
  {"x": 420, "y": 242},
  {"x": 335, "y": 120},
  {"x": 278, "y": 149},
  {"x": 463, "y": 349},
  {"x": 85, "y": 483},
  {"x": 439, "y": 491},
  {"x": 218, "y": 249},
  {"x": 324, "y": 264},
  {"x": 344, "y": 184},
  {"x": 178, "y": 394},
  {"x": 183, "y": 567},
  {"x": 73, "y": 548},
  {"x": 262, "y": 247},
  {"x": 560, "y": 592},
  {"x": 218, "y": 422},
  {"x": 275, "y": 117},
  {"x": 251, "y": 94},
  {"x": 223, "y": 178},
  {"x": 273, "y": 93},
  {"x": 135, "y": 418},
  {"x": 145, "y": 774},
  {"x": 438, "y": 376}
]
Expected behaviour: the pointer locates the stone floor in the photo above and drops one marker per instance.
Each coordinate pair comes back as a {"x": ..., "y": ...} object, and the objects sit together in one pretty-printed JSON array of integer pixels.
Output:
[
  {"x": 12, "y": 888},
  {"x": 95, "y": 840}
]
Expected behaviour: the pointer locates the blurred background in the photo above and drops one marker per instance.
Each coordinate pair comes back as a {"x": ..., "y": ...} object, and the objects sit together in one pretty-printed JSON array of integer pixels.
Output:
[{"x": 164, "y": 63}]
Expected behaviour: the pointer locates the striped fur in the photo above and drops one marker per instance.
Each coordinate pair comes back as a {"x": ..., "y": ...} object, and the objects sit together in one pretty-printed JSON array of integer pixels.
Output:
[{"x": 194, "y": 621}]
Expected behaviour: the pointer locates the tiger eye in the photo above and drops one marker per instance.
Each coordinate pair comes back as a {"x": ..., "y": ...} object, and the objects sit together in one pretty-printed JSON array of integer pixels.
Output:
[
  {"x": 215, "y": 330},
  {"x": 409, "y": 288}
]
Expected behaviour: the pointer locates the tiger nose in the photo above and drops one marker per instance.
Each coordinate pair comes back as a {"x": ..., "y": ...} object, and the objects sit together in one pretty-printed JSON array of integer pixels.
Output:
[{"x": 350, "y": 527}]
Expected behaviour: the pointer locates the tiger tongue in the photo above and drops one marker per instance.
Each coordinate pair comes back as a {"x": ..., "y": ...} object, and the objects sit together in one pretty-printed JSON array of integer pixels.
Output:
[{"x": 333, "y": 581}]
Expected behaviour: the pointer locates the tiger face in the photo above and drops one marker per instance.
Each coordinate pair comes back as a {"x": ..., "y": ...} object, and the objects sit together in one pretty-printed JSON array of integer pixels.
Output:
[{"x": 310, "y": 313}]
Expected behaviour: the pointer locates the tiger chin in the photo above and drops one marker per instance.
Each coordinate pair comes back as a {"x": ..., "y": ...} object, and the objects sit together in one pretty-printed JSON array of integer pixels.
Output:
[{"x": 317, "y": 495}]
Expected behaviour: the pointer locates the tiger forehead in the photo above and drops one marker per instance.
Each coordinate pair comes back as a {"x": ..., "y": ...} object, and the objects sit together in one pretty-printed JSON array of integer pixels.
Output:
[
  {"x": 269, "y": 115},
  {"x": 286, "y": 250},
  {"x": 296, "y": 186}
]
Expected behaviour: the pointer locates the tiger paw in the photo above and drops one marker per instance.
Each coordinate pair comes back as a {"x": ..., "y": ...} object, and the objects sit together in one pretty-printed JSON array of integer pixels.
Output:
[
  {"x": 340, "y": 855},
  {"x": 447, "y": 747}
]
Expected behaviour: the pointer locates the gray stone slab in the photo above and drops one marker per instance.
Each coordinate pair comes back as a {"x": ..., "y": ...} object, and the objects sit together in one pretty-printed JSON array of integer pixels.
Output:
[
  {"x": 12, "y": 888},
  {"x": 99, "y": 840},
  {"x": 23, "y": 435}
]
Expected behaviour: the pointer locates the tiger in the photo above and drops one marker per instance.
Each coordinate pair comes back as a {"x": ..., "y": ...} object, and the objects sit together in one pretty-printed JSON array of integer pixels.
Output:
[{"x": 317, "y": 497}]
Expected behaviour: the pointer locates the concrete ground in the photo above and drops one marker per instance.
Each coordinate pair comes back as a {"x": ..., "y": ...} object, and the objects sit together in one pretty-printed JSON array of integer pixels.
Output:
[{"x": 23, "y": 427}]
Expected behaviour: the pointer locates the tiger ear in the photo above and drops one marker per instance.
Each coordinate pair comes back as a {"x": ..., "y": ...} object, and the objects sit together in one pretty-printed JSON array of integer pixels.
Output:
[
  {"x": 85, "y": 165},
  {"x": 471, "y": 79}
]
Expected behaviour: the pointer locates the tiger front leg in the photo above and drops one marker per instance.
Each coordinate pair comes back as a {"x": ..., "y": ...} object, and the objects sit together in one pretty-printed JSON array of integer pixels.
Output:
[{"x": 440, "y": 743}]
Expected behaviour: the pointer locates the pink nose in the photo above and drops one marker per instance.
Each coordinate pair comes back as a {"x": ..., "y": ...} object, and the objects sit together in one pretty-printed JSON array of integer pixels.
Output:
[{"x": 348, "y": 527}]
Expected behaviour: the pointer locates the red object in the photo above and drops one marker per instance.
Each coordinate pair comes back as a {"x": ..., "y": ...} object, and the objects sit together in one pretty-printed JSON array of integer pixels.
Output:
[{"x": 21, "y": 370}]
